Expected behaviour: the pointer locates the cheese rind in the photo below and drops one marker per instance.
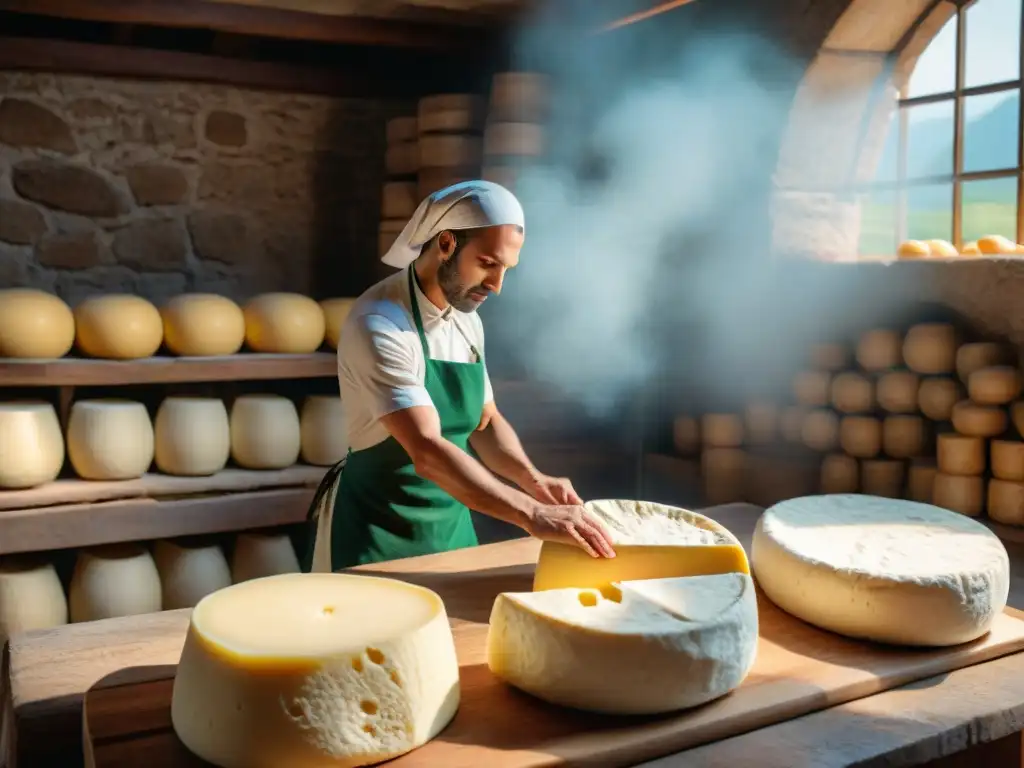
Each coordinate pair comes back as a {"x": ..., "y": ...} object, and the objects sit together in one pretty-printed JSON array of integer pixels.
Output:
[
  {"x": 260, "y": 554},
  {"x": 34, "y": 324},
  {"x": 31, "y": 444},
  {"x": 118, "y": 327},
  {"x": 937, "y": 396},
  {"x": 315, "y": 670},
  {"x": 189, "y": 572},
  {"x": 638, "y": 647},
  {"x": 265, "y": 432},
  {"x": 192, "y": 436},
  {"x": 284, "y": 323},
  {"x": 31, "y": 596},
  {"x": 110, "y": 439},
  {"x": 203, "y": 325},
  {"x": 335, "y": 313},
  {"x": 323, "y": 432},
  {"x": 978, "y": 420},
  {"x": 114, "y": 580}
]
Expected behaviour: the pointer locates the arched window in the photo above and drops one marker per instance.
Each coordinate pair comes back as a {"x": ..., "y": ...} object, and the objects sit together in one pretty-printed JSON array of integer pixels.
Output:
[{"x": 951, "y": 167}]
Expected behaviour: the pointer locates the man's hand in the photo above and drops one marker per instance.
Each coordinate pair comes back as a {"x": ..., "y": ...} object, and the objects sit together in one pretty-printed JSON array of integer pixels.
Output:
[
  {"x": 552, "y": 490},
  {"x": 570, "y": 524}
]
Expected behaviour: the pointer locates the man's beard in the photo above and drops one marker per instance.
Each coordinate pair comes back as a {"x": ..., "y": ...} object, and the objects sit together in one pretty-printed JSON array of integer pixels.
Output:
[{"x": 455, "y": 291}]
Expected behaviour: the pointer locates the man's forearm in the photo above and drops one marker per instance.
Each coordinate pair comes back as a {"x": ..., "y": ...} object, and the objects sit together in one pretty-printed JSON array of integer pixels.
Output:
[{"x": 500, "y": 450}]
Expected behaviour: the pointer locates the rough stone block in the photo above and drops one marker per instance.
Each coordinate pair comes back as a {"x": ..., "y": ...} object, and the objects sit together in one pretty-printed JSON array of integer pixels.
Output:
[
  {"x": 25, "y": 123},
  {"x": 226, "y": 129},
  {"x": 68, "y": 187},
  {"x": 76, "y": 250},
  {"x": 222, "y": 236},
  {"x": 157, "y": 184},
  {"x": 152, "y": 245},
  {"x": 21, "y": 223}
]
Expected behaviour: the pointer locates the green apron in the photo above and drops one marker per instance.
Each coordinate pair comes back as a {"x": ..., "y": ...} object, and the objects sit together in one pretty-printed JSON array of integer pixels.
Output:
[{"x": 381, "y": 509}]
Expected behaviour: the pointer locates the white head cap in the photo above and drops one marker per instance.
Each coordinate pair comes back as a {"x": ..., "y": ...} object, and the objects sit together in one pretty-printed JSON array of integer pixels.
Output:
[{"x": 466, "y": 205}]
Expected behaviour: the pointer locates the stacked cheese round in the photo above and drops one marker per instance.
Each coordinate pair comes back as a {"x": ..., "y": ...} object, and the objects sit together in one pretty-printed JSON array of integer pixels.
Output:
[
  {"x": 399, "y": 195},
  {"x": 324, "y": 432},
  {"x": 189, "y": 571},
  {"x": 265, "y": 432},
  {"x": 1005, "y": 499},
  {"x": 686, "y": 435},
  {"x": 450, "y": 144},
  {"x": 723, "y": 460},
  {"x": 514, "y": 135},
  {"x": 192, "y": 436},
  {"x": 284, "y": 323},
  {"x": 110, "y": 439},
  {"x": 335, "y": 313},
  {"x": 761, "y": 423},
  {"x": 115, "y": 580},
  {"x": 34, "y": 324},
  {"x": 31, "y": 444},
  {"x": 203, "y": 325},
  {"x": 118, "y": 327},
  {"x": 31, "y": 596},
  {"x": 262, "y": 554},
  {"x": 312, "y": 670}
]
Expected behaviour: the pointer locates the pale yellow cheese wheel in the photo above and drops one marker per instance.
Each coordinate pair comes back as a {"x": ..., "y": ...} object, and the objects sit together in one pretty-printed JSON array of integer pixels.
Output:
[
  {"x": 853, "y": 393},
  {"x": 959, "y": 493},
  {"x": 259, "y": 554},
  {"x": 829, "y": 356},
  {"x": 31, "y": 444},
  {"x": 921, "y": 480},
  {"x": 402, "y": 158},
  {"x": 450, "y": 150},
  {"x": 401, "y": 129},
  {"x": 110, "y": 439},
  {"x": 1007, "y": 460},
  {"x": 335, "y": 312},
  {"x": 761, "y": 423},
  {"x": 978, "y": 420},
  {"x": 118, "y": 326},
  {"x": 981, "y": 354},
  {"x": 192, "y": 436},
  {"x": 820, "y": 430},
  {"x": 937, "y": 396},
  {"x": 904, "y": 436},
  {"x": 398, "y": 200},
  {"x": 284, "y": 323},
  {"x": 882, "y": 477},
  {"x": 324, "y": 431},
  {"x": 812, "y": 388},
  {"x": 930, "y": 348},
  {"x": 860, "y": 436},
  {"x": 514, "y": 140},
  {"x": 203, "y": 325},
  {"x": 34, "y": 324},
  {"x": 960, "y": 454},
  {"x": 723, "y": 470},
  {"x": 791, "y": 423},
  {"x": 189, "y": 571},
  {"x": 114, "y": 580},
  {"x": 879, "y": 349},
  {"x": 995, "y": 385},
  {"x": 451, "y": 112},
  {"x": 31, "y": 596},
  {"x": 722, "y": 430},
  {"x": 265, "y": 432},
  {"x": 897, "y": 391},
  {"x": 1006, "y": 502},
  {"x": 685, "y": 435},
  {"x": 839, "y": 474}
]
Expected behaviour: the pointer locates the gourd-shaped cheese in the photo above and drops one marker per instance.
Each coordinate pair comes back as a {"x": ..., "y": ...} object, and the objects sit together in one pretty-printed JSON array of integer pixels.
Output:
[
  {"x": 931, "y": 348},
  {"x": 631, "y": 648},
  {"x": 335, "y": 311},
  {"x": 937, "y": 396},
  {"x": 110, "y": 439},
  {"x": 34, "y": 324},
  {"x": 879, "y": 349},
  {"x": 284, "y": 323},
  {"x": 881, "y": 569},
  {"x": 981, "y": 354},
  {"x": 193, "y": 436},
  {"x": 189, "y": 572},
  {"x": 265, "y": 432},
  {"x": 258, "y": 555},
  {"x": 324, "y": 435},
  {"x": 839, "y": 474},
  {"x": 31, "y": 596},
  {"x": 652, "y": 541},
  {"x": 118, "y": 327},
  {"x": 315, "y": 670},
  {"x": 203, "y": 325},
  {"x": 761, "y": 423},
  {"x": 31, "y": 444},
  {"x": 114, "y": 580}
]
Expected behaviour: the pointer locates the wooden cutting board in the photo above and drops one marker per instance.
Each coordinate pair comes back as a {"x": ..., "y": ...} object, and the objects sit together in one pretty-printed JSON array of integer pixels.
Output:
[{"x": 799, "y": 669}]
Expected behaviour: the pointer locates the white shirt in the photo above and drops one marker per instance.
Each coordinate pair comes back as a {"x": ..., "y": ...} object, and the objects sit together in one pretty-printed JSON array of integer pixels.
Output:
[{"x": 381, "y": 368}]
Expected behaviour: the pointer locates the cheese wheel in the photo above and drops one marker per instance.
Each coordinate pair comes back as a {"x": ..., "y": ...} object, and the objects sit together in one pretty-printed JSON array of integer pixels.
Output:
[
  {"x": 982, "y": 354},
  {"x": 997, "y": 385},
  {"x": 897, "y": 391},
  {"x": 265, "y": 432},
  {"x": 389, "y": 232},
  {"x": 960, "y": 454},
  {"x": 514, "y": 140},
  {"x": 399, "y": 129},
  {"x": 203, "y": 325},
  {"x": 937, "y": 396},
  {"x": 959, "y": 493},
  {"x": 1017, "y": 412},
  {"x": 820, "y": 430},
  {"x": 937, "y": 578},
  {"x": 970, "y": 250},
  {"x": 761, "y": 423},
  {"x": 930, "y": 348},
  {"x": 31, "y": 596},
  {"x": 996, "y": 244},
  {"x": 1007, "y": 460},
  {"x": 284, "y": 323},
  {"x": 519, "y": 96},
  {"x": 450, "y": 151},
  {"x": 860, "y": 436},
  {"x": 34, "y": 324},
  {"x": 1005, "y": 502},
  {"x": 323, "y": 431},
  {"x": 942, "y": 248},
  {"x": 192, "y": 436},
  {"x": 978, "y": 420},
  {"x": 451, "y": 112},
  {"x": 853, "y": 393},
  {"x": 812, "y": 387},
  {"x": 913, "y": 249},
  {"x": 31, "y": 444},
  {"x": 791, "y": 424},
  {"x": 399, "y": 200},
  {"x": 114, "y": 580},
  {"x": 723, "y": 470},
  {"x": 697, "y": 636},
  {"x": 335, "y": 313},
  {"x": 685, "y": 435},
  {"x": 118, "y": 327},
  {"x": 839, "y": 474},
  {"x": 829, "y": 356},
  {"x": 904, "y": 437},
  {"x": 652, "y": 541},
  {"x": 879, "y": 350},
  {"x": 189, "y": 572},
  {"x": 257, "y": 555},
  {"x": 110, "y": 439},
  {"x": 402, "y": 158},
  {"x": 315, "y": 669},
  {"x": 722, "y": 430},
  {"x": 882, "y": 477},
  {"x": 921, "y": 480}
]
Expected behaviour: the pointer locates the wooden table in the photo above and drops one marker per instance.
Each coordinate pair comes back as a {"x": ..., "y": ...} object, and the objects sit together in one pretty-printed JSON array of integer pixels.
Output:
[{"x": 971, "y": 717}]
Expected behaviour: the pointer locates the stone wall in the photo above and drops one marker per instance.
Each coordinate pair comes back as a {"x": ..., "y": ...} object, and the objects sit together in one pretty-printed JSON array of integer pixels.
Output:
[{"x": 156, "y": 188}]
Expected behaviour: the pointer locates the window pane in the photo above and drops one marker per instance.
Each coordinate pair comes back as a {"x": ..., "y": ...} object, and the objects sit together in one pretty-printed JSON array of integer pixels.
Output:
[
  {"x": 935, "y": 71},
  {"x": 930, "y": 212},
  {"x": 989, "y": 207},
  {"x": 990, "y": 131},
  {"x": 993, "y": 42},
  {"x": 878, "y": 224},
  {"x": 930, "y": 140},
  {"x": 885, "y": 170}
]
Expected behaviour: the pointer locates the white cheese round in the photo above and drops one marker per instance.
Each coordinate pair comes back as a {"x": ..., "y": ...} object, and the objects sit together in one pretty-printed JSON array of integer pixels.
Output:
[
  {"x": 722, "y": 430},
  {"x": 937, "y": 396},
  {"x": 839, "y": 474},
  {"x": 761, "y": 423},
  {"x": 451, "y": 112},
  {"x": 997, "y": 385},
  {"x": 930, "y": 348},
  {"x": 904, "y": 437},
  {"x": 34, "y": 324},
  {"x": 860, "y": 436},
  {"x": 31, "y": 444},
  {"x": 324, "y": 434},
  {"x": 897, "y": 391},
  {"x": 960, "y": 454},
  {"x": 189, "y": 572},
  {"x": 114, "y": 580},
  {"x": 192, "y": 436},
  {"x": 882, "y": 477},
  {"x": 313, "y": 670},
  {"x": 959, "y": 493},
  {"x": 812, "y": 387},
  {"x": 879, "y": 350},
  {"x": 118, "y": 327},
  {"x": 31, "y": 596},
  {"x": 983, "y": 354},
  {"x": 978, "y": 420},
  {"x": 685, "y": 435},
  {"x": 882, "y": 569},
  {"x": 820, "y": 430},
  {"x": 265, "y": 432},
  {"x": 203, "y": 325},
  {"x": 284, "y": 323},
  {"x": 853, "y": 393},
  {"x": 791, "y": 423},
  {"x": 829, "y": 356},
  {"x": 399, "y": 200},
  {"x": 1006, "y": 502},
  {"x": 1007, "y": 460},
  {"x": 335, "y": 313},
  {"x": 921, "y": 480},
  {"x": 723, "y": 470},
  {"x": 110, "y": 439},
  {"x": 257, "y": 555}
]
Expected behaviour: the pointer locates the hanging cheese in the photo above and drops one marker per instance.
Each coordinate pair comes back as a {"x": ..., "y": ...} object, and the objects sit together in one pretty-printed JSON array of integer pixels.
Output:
[
  {"x": 307, "y": 670},
  {"x": 761, "y": 423},
  {"x": 897, "y": 392},
  {"x": 853, "y": 393},
  {"x": 402, "y": 158},
  {"x": 791, "y": 424},
  {"x": 1007, "y": 460},
  {"x": 937, "y": 396},
  {"x": 996, "y": 385},
  {"x": 514, "y": 140},
  {"x": 189, "y": 572},
  {"x": 284, "y": 323},
  {"x": 930, "y": 348},
  {"x": 34, "y": 324},
  {"x": 110, "y": 439},
  {"x": 389, "y": 232},
  {"x": 942, "y": 248},
  {"x": 882, "y": 477},
  {"x": 723, "y": 470},
  {"x": 913, "y": 249},
  {"x": 978, "y": 420},
  {"x": 992, "y": 245},
  {"x": 203, "y": 325},
  {"x": 445, "y": 150},
  {"x": 265, "y": 432},
  {"x": 960, "y": 454},
  {"x": 829, "y": 356},
  {"x": 959, "y": 493},
  {"x": 1005, "y": 502},
  {"x": 398, "y": 200},
  {"x": 335, "y": 313},
  {"x": 688, "y": 641},
  {"x": 812, "y": 387},
  {"x": 192, "y": 436},
  {"x": 904, "y": 437},
  {"x": 860, "y": 436},
  {"x": 839, "y": 474},
  {"x": 31, "y": 444},
  {"x": 519, "y": 96},
  {"x": 118, "y": 327},
  {"x": 685, "y": 435},
  {"x": 114, "y": 580},
  {"x": 262, "y": 554},
  {"x": 879, "y": 350},
  {"x": 970, "y": 250},
  {"x": 451, "y": 113},
  {"x": 921, "y": 480},
  {"x": 722, "y": 430},
  {"x": 820, "y": 430},
  {"x": 938, "y": 578},
  {"x": 652, "y": 541},
  {"x": 399, "y": 129},
  {"x": 323, "y": 430},
  {"x": 982, "y": 354},
  {"x": 31, "y": 596}
]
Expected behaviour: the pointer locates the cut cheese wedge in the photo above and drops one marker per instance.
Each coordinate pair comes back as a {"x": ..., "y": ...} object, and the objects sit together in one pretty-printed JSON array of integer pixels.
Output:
[
  {"x": 652, "y": 541},
  {"x": 640, "y": 647},
  {"x": 314, "y": 670}
]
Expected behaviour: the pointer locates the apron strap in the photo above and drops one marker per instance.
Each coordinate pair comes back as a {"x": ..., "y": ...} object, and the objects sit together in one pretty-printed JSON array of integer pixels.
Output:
[
  {"x": 330, "y": 478},
  {"x": 416, "y": 318}
]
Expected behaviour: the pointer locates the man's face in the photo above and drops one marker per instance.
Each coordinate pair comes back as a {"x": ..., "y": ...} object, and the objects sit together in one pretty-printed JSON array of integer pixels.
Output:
[{"x": 477, "y": 270}]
